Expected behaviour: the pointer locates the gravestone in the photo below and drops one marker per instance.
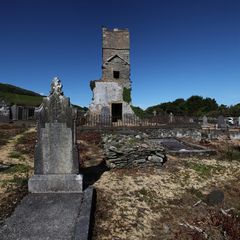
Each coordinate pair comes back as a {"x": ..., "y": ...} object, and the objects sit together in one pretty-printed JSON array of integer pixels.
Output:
[
  {"x": 221, "y": 122},
  {"x": 191, "y": 120},
  {"x": 4, "y": 112},
  {"x": 56, "y": 165},
  {"x": 171, "y": 118},
  {"x": 14, "y": 110},
  {"x": 205, "y": 121}
]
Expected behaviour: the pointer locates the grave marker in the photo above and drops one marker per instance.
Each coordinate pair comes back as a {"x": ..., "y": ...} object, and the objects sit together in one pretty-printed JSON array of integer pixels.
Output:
[
  {"x": 221, "y": 122},
  {"x": 56, "y": 165}
]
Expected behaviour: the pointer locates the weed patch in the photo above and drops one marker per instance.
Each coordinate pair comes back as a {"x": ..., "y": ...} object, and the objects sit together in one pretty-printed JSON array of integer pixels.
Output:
[
  {"x": 230, "y": 154},
  {"x": 197, "y": 193},
  {"x": 145, "y": 195},
  {"x": 16, "y": 180},
  {"x": 18, "y": 168},
  {"x": 16, "y": 154},
  {"x": 203, "y": 170}
]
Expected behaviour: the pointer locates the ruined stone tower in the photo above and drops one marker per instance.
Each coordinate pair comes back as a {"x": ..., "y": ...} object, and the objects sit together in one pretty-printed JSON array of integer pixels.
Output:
[
  {"x": 115, "y": 56},
  {"x": 112, "y": 93}
]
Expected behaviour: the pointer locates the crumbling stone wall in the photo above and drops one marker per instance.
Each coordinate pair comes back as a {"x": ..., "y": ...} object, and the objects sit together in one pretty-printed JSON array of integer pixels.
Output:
[
  {"x": 117, "y": 64},
  {"x": 115, "y": 74},
  {"x": 115, "y": 41},
  {"x": 104, "y": 91}
]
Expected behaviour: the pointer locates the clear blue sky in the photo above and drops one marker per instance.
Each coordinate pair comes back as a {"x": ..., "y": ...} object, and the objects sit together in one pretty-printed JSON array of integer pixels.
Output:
[{"x": 179, "y": 48}]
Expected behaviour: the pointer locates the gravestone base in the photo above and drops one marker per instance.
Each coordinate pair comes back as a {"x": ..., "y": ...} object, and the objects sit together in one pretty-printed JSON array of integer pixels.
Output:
[{"x": 53, "y": 183}]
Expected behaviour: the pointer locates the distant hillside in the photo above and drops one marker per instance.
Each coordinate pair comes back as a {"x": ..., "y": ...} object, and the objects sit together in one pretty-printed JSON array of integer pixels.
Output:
[
  {"x": 16, "y": 95},
  {"x": 8, "y": 88},
  {"x": 20, "y": 96}
]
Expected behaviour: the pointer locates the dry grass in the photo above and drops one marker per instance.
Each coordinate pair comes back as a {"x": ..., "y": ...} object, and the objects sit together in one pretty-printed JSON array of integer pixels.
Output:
[
  {"x": 150, "y": 203},
  {"x": 90, "y": 152},
  {"x": 141, "y": 203}
]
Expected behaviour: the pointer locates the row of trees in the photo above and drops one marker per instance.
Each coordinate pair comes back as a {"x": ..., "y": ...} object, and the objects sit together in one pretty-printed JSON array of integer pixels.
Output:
[{"x": 194, "y": 106}]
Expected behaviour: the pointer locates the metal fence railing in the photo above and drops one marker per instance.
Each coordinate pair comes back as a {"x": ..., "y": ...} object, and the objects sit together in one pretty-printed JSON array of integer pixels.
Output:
[{"x": 133, "y": 120}]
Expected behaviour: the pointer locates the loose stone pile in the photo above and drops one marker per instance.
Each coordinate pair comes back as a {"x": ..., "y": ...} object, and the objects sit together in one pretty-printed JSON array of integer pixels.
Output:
[{"x": 129, "y": 150}]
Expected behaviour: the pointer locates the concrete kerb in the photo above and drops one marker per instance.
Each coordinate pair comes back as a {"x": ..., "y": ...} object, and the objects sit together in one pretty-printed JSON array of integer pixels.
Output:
[{"x": 84, "y": 220}]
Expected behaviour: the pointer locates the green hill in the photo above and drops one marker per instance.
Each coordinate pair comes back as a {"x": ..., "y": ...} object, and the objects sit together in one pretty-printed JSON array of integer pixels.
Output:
[
  {"x": 16, "y": 95},
  {"x": 16, "y": 90},
  {"x": 22, "y": 97}
]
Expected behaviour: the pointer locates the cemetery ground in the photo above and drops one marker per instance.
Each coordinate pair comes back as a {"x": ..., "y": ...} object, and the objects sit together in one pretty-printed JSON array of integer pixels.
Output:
[{"x": 176, "y": 201}]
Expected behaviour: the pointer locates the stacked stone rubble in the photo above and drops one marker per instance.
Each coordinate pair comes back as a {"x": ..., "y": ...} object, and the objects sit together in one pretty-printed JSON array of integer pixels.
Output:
[{"x": 129, "y": 150}]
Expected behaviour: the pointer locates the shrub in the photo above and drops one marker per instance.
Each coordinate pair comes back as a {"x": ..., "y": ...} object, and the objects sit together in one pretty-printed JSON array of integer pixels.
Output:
[{"x": 127, "y": 95}]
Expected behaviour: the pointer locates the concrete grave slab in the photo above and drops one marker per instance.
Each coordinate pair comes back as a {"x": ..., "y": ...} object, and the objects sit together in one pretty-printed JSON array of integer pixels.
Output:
[{"x": 53, "y": 216}]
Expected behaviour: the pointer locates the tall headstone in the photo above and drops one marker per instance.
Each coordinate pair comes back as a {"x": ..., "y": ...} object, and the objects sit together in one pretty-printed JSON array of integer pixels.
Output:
[
  {"x": 4, "y": 112},
  {"x": 14, "y": 110},
  {"x": 171, "y": 117},
  {"x": 205, "y": 121},
  {"x": 221, "y": 122},
  {"x": 56, "y": 165},
  {"x": 191, "y": 120}
]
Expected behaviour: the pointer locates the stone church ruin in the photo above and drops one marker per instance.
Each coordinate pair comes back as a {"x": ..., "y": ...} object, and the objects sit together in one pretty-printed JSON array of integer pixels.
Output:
[{"x": 112, "y": 93}]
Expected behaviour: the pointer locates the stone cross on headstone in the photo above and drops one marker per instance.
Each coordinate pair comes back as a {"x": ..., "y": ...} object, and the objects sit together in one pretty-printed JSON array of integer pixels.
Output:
[{"x": 56, "y": 165}]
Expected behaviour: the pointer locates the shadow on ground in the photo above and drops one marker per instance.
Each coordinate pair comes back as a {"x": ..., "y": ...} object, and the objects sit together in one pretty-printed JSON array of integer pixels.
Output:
[{"x": 92, "y": 174}]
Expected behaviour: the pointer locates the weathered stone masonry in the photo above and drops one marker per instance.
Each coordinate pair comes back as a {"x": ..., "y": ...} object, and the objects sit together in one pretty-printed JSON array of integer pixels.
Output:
[
  {"x": 111, "y": 94},
  {"x": 56, "y": 165}
]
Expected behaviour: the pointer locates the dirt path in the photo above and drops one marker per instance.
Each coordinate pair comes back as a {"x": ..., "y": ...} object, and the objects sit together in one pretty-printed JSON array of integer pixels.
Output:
[
  {"x": 8, "y": 154},
  {"x": 13, "y": 181}
]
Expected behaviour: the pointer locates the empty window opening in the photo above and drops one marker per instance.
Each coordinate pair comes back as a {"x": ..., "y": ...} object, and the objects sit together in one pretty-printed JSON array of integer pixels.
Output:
[
  {"x": 116, "y": 112},
  {"x": 116, "y": 74}
]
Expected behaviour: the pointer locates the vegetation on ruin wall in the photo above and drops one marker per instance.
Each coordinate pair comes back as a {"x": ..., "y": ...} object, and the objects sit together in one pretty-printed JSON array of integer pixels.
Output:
[
  {"x": 92, "y": 85},
  {"x": 127, "y": 95}
]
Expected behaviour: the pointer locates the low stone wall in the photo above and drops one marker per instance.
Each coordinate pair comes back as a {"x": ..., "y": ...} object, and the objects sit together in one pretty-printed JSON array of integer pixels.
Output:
[
  {"x": 175, "y": 133},
  {"x": 233, "y": 134},
  {"x": 196, "y": 133},
  {"x": 132, "y": 150}
]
